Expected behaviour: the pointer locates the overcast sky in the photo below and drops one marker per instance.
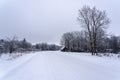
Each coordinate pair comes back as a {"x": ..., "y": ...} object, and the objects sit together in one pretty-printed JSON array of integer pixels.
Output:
[{"x": 47, "y": 20}]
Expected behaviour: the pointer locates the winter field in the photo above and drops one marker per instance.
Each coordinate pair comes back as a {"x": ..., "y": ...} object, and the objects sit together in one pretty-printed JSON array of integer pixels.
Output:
[{"x": 56, "y": 65}]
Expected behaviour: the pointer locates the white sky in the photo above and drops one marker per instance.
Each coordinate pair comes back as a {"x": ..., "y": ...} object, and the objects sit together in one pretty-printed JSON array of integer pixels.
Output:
[{"x": 47, "y": 20}]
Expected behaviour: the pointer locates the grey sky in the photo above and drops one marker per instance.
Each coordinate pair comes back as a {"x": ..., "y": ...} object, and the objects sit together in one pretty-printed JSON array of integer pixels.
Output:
[{"x": 47, "y": 20}]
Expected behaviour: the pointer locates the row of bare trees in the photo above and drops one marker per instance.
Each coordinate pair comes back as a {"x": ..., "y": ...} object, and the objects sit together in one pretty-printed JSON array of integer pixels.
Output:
[
  {"x": 79, "y": 42},
  {"x": 45, "y": 46},
  {"x": 11, "y": 45},
  {"x": 93, "y": 37}
]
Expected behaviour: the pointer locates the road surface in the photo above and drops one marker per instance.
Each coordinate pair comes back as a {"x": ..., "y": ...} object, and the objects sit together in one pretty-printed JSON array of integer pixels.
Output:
[{"x": 64, "y": 66}]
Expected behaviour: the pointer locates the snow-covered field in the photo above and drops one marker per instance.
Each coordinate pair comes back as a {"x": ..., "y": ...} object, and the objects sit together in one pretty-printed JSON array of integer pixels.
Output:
[{"x": 56, "y": 65}]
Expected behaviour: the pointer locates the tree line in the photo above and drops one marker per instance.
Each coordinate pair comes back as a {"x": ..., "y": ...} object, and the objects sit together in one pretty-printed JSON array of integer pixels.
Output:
[
  {"x": 78, "y": 41},
  {"x": 11, "y": 45},
  {"x": 93, "y": 37}
]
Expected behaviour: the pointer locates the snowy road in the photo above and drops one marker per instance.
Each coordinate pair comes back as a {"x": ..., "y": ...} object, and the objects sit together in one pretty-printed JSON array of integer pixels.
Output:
[{"x": 65, "y": 66}]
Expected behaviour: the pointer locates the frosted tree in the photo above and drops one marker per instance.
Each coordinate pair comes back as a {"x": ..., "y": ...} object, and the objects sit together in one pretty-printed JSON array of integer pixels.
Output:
[
  {"x": 93, "y": 20},
  {"x": 74, "y": 41}
]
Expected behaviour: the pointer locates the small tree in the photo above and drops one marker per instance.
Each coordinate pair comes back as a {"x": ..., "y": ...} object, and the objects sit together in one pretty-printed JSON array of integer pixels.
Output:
[
  {"x": 93, "y": 20},
  {"x": 11, "y": 44}
]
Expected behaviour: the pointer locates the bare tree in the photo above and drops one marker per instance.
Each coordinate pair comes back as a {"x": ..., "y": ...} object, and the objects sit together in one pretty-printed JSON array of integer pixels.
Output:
[
  {"x": 74, "y": 41},
  {"x": 11, "y": 44},
  {"x": 93, "y": 20},
  {"x": 66, "y": 40}
]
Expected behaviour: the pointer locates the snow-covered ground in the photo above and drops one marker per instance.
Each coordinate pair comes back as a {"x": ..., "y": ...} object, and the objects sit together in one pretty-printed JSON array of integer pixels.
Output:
[{"x": 56, "y": 65}]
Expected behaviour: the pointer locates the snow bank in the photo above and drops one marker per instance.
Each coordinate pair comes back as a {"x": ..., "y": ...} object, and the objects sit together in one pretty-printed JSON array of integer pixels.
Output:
[{"x": 10, "y": 62}]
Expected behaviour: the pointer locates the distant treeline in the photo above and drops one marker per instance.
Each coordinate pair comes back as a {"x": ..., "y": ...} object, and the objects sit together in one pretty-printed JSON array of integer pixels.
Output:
[
  {"x": 79, "y": 42},
  {"x": 13, "y": 45}
]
